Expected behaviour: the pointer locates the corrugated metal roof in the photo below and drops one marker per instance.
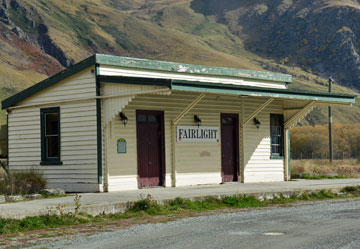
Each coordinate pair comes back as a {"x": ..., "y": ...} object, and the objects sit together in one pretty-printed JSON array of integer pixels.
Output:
[{"x": 189, "y": 68}]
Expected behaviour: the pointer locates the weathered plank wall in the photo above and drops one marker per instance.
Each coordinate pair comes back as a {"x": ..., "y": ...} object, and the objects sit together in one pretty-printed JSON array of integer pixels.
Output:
[
  {"x": 78, "y": 134},
  {"x": 196, "y": 163}
]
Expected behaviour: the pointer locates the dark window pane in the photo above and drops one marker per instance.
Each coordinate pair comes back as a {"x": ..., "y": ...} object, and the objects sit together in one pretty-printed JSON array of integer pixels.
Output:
[
  {"x": 142, "y": 118},
  {"x": 275, "y": 140},
  {"x": 52, "y": 124},
  {"x": 227, "y": 121},
  {"x": 52, "y": 146},
  {"x": 152, "y": 118},
  {"x": 276, "y": 132},
  {"x": 50, "y": 134},
  {"x": 275, "y": 149}
]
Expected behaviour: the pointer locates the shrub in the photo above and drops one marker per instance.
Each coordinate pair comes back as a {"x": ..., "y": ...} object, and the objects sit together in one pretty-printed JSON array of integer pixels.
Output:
[
  {"x": 351, "y": 189},
  {"x": 177, "y": 204},
  {"x": 24, "y": 182},
  {"x": 146, "y": 205}
]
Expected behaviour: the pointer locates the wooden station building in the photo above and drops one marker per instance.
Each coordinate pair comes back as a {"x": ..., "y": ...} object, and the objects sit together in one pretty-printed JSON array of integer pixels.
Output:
[{"x": 113, "y": 123}]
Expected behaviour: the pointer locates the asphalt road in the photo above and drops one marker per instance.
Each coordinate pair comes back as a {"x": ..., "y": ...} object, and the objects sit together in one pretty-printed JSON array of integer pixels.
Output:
[{"x": 322, "y": 225}]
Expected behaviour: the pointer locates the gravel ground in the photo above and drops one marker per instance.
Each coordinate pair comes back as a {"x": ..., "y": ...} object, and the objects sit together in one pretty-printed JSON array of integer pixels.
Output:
[{"x": 322, "y": 225}]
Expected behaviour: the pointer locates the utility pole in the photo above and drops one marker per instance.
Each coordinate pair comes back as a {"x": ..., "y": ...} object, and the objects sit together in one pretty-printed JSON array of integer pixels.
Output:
[{"x": 331, "y": 81}]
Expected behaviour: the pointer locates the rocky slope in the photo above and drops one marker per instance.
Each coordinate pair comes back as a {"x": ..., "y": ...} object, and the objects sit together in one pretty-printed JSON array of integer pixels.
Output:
[
  {"x": 308, "y": 39},
  {"x": 321, "y": 36}
]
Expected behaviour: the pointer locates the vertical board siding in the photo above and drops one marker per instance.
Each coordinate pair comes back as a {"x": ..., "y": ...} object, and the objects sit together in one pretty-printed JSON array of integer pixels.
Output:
[
  {"x": 196, "y": 163},
  {"x": 78, "y": 134}
]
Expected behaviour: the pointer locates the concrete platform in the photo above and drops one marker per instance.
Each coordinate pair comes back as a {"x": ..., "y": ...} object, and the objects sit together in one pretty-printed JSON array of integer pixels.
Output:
[{"x": 96, "y": 203}]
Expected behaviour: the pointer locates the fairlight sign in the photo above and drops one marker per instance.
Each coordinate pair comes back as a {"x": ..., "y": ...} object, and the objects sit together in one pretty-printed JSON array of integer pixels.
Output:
[{"x": 197, "y": 134}]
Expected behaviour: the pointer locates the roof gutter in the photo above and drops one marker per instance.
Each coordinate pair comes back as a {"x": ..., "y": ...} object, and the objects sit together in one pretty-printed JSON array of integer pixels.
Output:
[{"x": 337, "y": 98}]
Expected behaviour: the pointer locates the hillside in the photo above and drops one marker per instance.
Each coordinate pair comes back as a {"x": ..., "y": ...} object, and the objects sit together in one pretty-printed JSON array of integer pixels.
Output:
[
  {"x": 321, "y": 36},
  {"x": 39, "y": 38}
]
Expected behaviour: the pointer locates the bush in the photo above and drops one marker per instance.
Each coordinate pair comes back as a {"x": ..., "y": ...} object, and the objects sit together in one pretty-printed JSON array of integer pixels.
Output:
[
  {"x": 147, "y": 205},
  {"x": 351, "y": 189},
  {"x": 21, "y": 183},
  {"x": 309, "y": 142},
  {"x": 177, "y": 204}
]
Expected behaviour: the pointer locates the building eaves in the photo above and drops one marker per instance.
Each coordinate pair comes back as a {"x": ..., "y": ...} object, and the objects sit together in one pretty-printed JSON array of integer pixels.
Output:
[
  {"x": 174, "y": 67},
  {"x": 262, "y": 92},
  {"x": 216, "y": 88}
]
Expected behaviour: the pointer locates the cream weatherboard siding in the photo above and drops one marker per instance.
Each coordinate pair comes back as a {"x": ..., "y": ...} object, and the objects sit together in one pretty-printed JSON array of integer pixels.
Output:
[
  {"x": 78, "y": 134},
  {"x": 258, "y": 165},
  {"x": 196, "y": 163}
]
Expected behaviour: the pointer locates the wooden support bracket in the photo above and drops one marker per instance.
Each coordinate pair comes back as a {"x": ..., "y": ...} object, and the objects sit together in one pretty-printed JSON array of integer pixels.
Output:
[
  {"x": 257, "y": 111},
  {"x": 295, "y": 118}
]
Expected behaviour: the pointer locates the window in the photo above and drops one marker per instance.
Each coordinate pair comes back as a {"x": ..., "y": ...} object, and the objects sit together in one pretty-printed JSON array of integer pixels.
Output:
[
  {"x": 147, "y": 118},
  {"x": 277, "y": 135},
  {"x": 50, "y": 136}
]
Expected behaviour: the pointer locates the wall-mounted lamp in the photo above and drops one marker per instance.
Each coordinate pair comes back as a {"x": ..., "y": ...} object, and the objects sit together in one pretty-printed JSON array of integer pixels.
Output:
[
  {"x": 197, "y": 120},
  {"x": 123, "y": 118},
  {"x": 257, "y": 123}
]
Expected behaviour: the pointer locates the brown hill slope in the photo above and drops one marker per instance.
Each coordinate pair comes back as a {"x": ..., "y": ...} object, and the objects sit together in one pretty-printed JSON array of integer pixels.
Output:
[{"x": 39, "y": 38}]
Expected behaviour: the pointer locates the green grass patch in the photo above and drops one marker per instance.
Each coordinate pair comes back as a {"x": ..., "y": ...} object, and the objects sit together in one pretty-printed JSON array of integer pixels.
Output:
[
  {"x": 148, "y": 207},
  {"x": 308, "y": 176},
  {"x": 41, "y": 222}
]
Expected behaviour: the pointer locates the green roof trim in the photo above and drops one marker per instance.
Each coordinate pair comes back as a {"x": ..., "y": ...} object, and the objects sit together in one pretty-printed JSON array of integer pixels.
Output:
[
  {"x": 112, "y": 60},
  {"x": 48, "y": 82},
  {"x": 193, "y": 86},
  {"x": 135, "y": 80},
  {"x": 261, "y": 92}
]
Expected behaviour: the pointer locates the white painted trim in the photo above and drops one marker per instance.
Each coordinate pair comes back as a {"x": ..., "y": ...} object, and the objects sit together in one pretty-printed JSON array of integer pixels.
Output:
[
  {"x": 143, "y": 73},
  {"x": 127, "y": 182},
  {"x": 255, "y": 179},
  {"x": 188, "y": 179},
  {"x": 168, "y": 180}
]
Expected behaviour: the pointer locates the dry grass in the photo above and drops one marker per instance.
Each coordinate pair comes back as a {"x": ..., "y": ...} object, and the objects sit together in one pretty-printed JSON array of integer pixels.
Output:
[
  {"x": 21, "y": 183},
  {"x": 343, "y": 168}
]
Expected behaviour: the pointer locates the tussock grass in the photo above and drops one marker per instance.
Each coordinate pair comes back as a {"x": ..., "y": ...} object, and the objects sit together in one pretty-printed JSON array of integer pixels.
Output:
[
  {"x": 322, "y": 169},
  {"x": 21, "y": 183},
  {"x": 149, "y": 207}
]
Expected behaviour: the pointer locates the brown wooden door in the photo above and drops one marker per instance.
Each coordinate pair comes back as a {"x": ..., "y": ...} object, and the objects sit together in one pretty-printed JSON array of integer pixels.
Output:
[
  {"x": 150, "y": 146},
  {"x": 229, "y": 147}
]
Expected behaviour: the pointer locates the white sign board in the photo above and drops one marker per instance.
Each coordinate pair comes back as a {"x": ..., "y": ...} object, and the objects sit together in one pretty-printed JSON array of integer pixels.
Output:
[{"x": 200, "y": 134}]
